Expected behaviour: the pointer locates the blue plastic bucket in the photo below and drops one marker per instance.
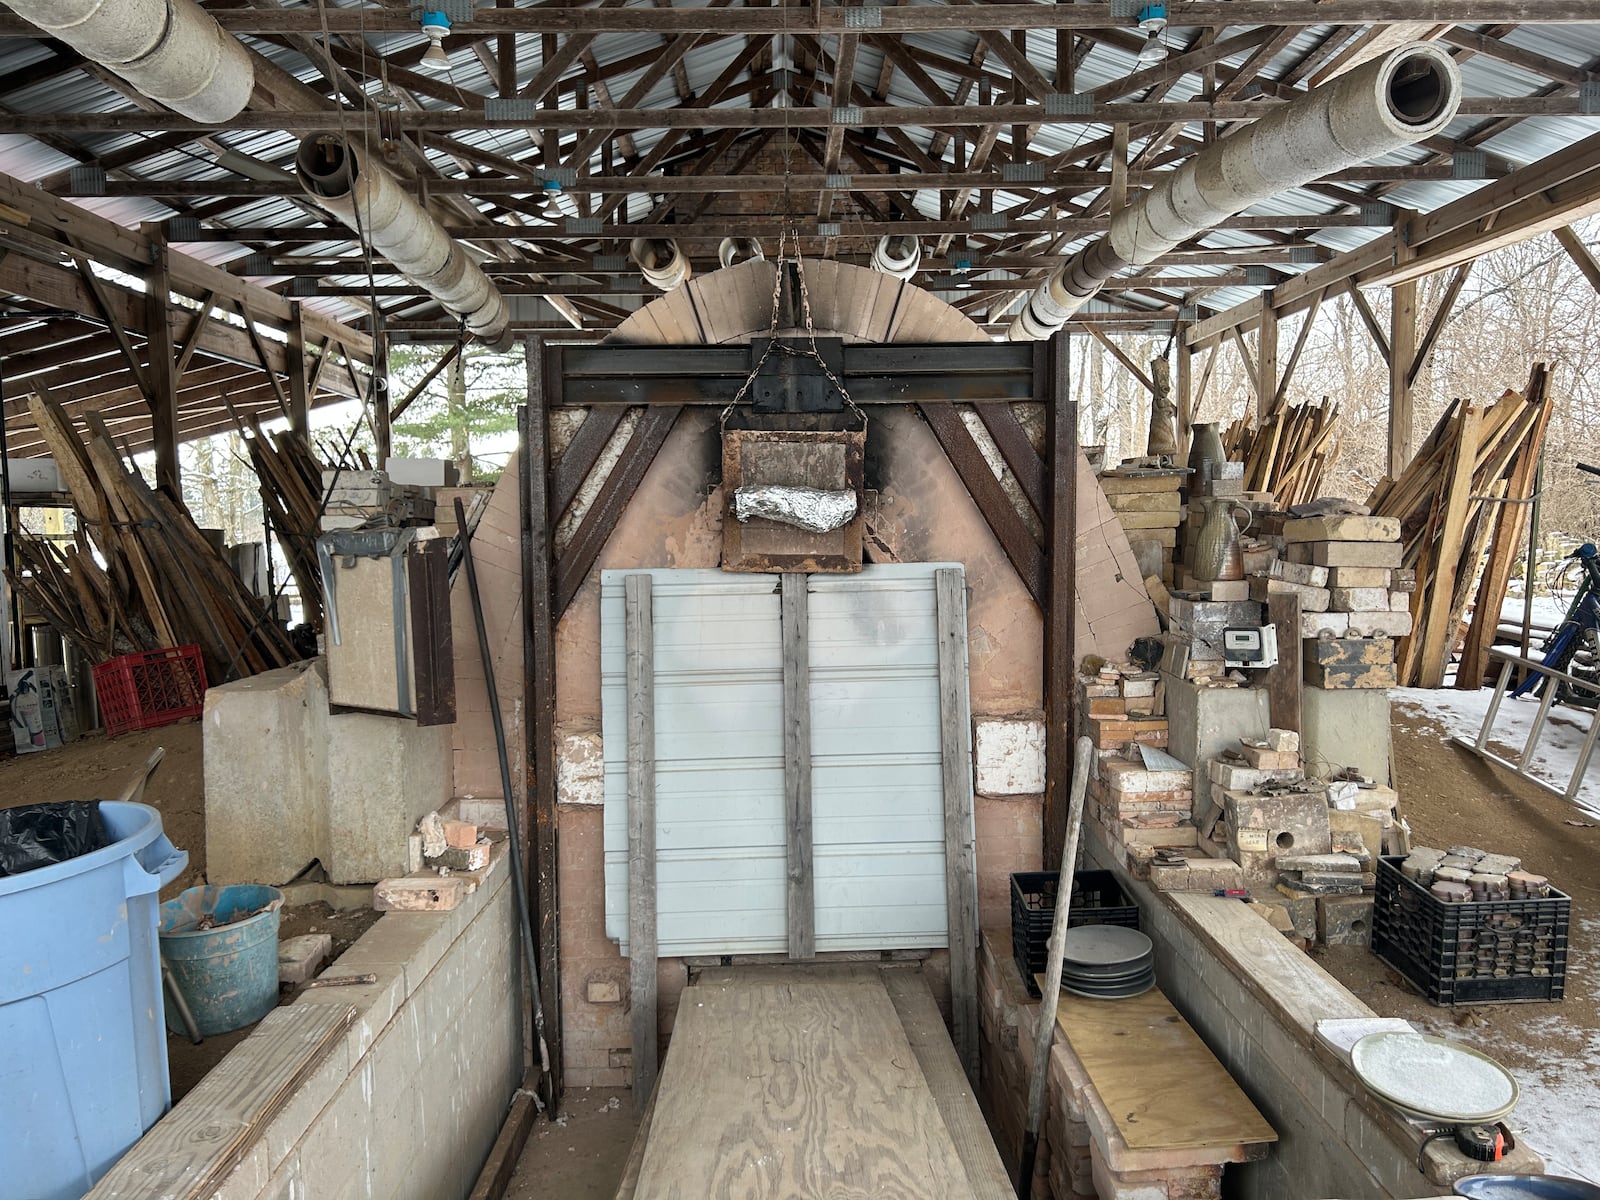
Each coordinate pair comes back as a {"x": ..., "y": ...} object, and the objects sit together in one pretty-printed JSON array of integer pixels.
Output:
[
  {"x": 228, "y": 973},
  {"x": 83, "y": 1057}
]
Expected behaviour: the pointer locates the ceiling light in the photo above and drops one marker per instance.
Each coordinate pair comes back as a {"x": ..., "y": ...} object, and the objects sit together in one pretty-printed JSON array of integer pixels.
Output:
[
  {"x": 436, "y": 25},
  {"x": 1153, "y": 20}
]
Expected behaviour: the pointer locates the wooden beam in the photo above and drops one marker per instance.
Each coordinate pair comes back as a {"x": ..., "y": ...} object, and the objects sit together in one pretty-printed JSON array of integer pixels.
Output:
[
  {"x": 1266, "y": 362},
  {"x": 299, "y": 395},
  {"x": 1402, "y": 354},
  {"x": 960, "y": 857},
  {"x": 1447, "y": 304},
  {"x": 161, "y": 379},
  {"x": 1000, "y": 419},
  {"x": 1053, "y": 379},
  {"x": 1116, "y": 352},
  {"x": 640, "y": 654},
  {"x": 1300, "y": 340},
  {"x": 539, "y": 699},
  {"x": 797, "y": 766},
  {"x": 1580, "y": 254}
]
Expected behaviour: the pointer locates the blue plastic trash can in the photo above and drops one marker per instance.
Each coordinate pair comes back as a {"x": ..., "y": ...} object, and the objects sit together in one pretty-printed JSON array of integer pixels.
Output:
[{"x": 83, "y": 1055}]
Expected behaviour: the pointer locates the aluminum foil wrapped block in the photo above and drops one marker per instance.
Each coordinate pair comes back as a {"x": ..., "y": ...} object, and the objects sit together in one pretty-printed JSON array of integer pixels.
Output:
[{"x": 811, "y": 509}]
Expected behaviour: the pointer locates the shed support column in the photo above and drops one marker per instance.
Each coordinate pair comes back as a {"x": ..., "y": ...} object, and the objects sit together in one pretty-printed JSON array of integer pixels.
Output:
[
  {"x": 162, "y": 376},
  {"x": 299, "y": 393},
  {"x": 1402, "y": 352},
  {"x": 1266, "y": 362},
  {"x": 380, "y": 396},
  {"x": 1052, "y": 379},
  {"x": 1183, "y": 390}
]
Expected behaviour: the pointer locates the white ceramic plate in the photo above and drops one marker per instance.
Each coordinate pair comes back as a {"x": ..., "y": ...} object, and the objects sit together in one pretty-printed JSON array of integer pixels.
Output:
[{"x": 1434, "y": 1079}]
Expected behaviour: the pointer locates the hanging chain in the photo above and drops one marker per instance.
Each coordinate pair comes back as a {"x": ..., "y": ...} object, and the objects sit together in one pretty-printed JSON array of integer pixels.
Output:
[{"x": 773, "y": 345}]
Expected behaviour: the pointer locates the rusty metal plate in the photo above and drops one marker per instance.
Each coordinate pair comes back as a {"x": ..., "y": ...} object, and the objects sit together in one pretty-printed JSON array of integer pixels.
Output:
[{"x": 830, "y": 460}]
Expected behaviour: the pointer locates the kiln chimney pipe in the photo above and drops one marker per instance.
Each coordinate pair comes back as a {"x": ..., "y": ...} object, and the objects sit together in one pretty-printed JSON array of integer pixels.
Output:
[{"x": 1406, "y": 96}]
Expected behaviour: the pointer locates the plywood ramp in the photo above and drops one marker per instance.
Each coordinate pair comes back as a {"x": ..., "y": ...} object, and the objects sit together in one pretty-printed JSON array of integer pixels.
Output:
[{"x": 793, "y": 1083}]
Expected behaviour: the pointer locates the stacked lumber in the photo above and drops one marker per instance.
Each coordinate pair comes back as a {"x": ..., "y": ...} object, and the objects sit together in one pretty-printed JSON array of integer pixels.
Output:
[
  {"x": 1289, "y": 453},
  {"x": 290, "y": 478},
  {"x": 162, "y": 584},
  {"x": 1149, "y": 509},
  {"x": 1460, "y": 507}
]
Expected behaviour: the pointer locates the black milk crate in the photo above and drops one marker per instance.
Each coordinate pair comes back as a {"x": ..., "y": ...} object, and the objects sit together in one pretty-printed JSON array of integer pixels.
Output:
[
  {"x": 1097, "y": 899},
  {"x": 1488, "y": 952}
]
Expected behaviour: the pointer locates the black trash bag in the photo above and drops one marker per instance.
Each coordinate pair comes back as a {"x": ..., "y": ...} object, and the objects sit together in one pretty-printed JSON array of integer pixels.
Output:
[{"x": 41, "y": 835}]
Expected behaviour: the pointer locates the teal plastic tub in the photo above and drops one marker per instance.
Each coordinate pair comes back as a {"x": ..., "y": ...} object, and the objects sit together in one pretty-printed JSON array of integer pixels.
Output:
[
  {"x": 83, "y": 1057},
  {"x": 229, "y": 972}
]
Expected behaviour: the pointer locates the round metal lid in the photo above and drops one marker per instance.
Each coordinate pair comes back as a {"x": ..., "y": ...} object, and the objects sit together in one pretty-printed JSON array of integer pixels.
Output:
[
  {"x": 1105, "y": 945},
  {"x": 1433, "y": 1078}
]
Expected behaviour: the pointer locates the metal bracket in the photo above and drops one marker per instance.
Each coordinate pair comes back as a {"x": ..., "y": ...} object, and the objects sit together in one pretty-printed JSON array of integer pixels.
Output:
[
  {"x": 990, "y": 222},
  {"x": 1589, "y": 99},
  {"x": 868, "y": 16},
  {"x": 257, "y": 264},
  {"x": 87, "y": 181},
  {"x": 1469, "y": 164},
  {"x": 511, "y": 108},
  {"x": 829, "y": 229},
  {"x": 843, "y": 182},
  {"x": 791, "y": 381},
  {"x": 1022, "y": 173},
  {"x": 845, "y": 114},
  {"x": 1258, "y": 276},
  {"x": 1377, "y": 214},
  {"x": 182, "y": 229},
  {"x": 585, "y": 226},
  {"x": 1302, "y": 254},
  {"x": 610, "y": 262},
  {"x": 1068, "y": 104}
]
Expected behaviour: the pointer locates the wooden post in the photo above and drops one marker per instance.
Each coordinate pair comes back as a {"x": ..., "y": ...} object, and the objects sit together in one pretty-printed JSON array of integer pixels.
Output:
[
  {"x": 1437, "y": 633},
  {"x": 1266, "y": 361},
  {"x": 380, "y": 394},
  {"x": 960, "y": 862},
  {"x": 299, "y": 392},
  {"x": 1284, "y": 681},
  {"x": 1183, "y": 390},
  {"x": 162, "y": 375},
  {"x": 539, "y": 699},
  {"x": 1060, "y": 666},
  {"x": 797, "y": 766},
  {"x": 640, "y": 642},
  {"x": 1402, "y": 352}
]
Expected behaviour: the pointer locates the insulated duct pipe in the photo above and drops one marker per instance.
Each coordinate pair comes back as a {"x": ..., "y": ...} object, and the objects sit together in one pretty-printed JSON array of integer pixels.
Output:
[
  {"x": 897, "y": 254},
  {"x": 661, "y": 261},
  {"x": 1402, "y": 98},
  {"x": 171, "y": 50},
  {"x": 733, "y": 250},
  {"x": 376, "y": 205}
]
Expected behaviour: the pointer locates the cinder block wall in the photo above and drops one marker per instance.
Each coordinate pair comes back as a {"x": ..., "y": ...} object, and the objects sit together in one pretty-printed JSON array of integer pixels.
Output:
[{"x": 409, "y": 1106}]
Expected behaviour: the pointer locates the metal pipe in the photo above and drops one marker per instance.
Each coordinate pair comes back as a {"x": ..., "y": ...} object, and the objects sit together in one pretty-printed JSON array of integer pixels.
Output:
[
  {"x": 897, "y": 254},
  {"x": 171, "y": 50},
  {"x": 661, "y": 261},
  {"x": 367, "y": 198},
  {"x": 732, "y": 250},
  {"x": 1406, "y": 96}
]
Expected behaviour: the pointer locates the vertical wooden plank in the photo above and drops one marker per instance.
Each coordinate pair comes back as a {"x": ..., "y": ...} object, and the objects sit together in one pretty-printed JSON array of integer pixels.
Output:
[
  {"x": 1284, "y": 681},
  {"x": 960, "y": 861},
  {"x": 1266, "y": 362},
  {"x": 1402, "y": 352},
  {"x": 299, "y": 393},
  {"x": 539, "y": 696},
  {"x": 640, "y": 643},
  {"x": 797, "y": 766},
  {"x": 162, "y": 375},
  {"x": 1052, "y": 379},
  {"x": 1438, "y": 632},
  {"x": 381, "y": 425},
  {"x": 1183, "y": 390}
]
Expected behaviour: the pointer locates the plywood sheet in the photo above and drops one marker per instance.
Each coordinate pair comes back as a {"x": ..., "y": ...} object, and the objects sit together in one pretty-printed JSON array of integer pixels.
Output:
[
  {"x": 1161, "y": 1086},
  {"x": 794, "y": 1084}
]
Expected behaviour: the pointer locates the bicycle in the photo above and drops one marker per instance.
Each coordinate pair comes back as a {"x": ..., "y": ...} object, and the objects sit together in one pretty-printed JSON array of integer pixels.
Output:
[{"x": 1574, "y": 646}]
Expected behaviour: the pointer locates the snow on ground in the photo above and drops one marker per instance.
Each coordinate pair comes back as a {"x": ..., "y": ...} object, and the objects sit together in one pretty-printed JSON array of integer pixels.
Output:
[
  {"x": 1554, "y": 758},
  {"x": 1559, "y": 1107}
]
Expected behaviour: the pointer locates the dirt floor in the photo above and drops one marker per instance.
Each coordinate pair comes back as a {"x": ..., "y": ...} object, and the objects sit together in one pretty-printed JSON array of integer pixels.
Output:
[
  {"x": 1450, "y": 797},
  {"x": 579, "y": 1155}
]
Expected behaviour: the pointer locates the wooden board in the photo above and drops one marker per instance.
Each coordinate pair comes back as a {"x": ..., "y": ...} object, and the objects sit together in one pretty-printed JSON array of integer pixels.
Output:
[
  {"x": 192, "y": 1150},
  {"x": 1161, "y": 1086},
  {"x": 641, "y": 832},
  {"x": 960, "y": 853},
  {"x": 952, "y": 1091},
  {"x": 797, "y": 766},
  {"x": 792, "y": 1083}
]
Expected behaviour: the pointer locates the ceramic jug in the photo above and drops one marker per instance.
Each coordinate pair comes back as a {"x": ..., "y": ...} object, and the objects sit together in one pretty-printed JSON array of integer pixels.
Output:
[
  {"x": 1217, "y": 554},
  {"x": 1205, "y": 450}
]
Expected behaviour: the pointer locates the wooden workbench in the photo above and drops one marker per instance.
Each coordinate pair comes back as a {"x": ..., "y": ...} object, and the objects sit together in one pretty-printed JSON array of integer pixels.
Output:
[{"x": 812, "y": 1081}]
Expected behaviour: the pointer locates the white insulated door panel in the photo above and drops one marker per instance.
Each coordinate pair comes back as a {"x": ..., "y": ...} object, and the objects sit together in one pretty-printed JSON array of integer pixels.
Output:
[
  {"x": 720, "y": 869},
  {"x": 877, "y": 795},
  {"x": 876, "y": 790}
]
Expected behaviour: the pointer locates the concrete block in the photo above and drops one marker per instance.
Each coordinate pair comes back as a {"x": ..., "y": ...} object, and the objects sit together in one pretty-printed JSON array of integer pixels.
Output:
[
  {"x": 419, "y": 893},
  {"x": 1199, "y": 873},
  {"x": 1348, "y": 554},
  {"x": 455, "y": 858},
  {"x": 1133, "y": 779},
  {"x": 1301, "y": 908},
  {"x": 1009, "y": 753},
  {"x": 1344, "y": 920},
  {"x": 1203, "y": 722},
  {"x": 1386, "y": 623},
  {"x": 1312, "y": 599},
  {"x": 1342, "y": 529},
  {"x": 299, "y": 958},
  {"x": 1359, "y": 577},
  {"x": 1264, "y": 758},
  {"x": 1359, "y": 599},
  {"x": 1228, "y": 589},
  {"x": 1260, "y": 828},
  {"x": 1109, "y": 733},
  {"x": 265, "y": 754},
  {"x": 1238, "y": 776},
  {"x": 384, "y": 773},
  {"x": 1316, "y": 624},
  {"x": 1349, "y": 652},
  {"x": 1400, "y": 598},
  {"x": 1206, "y": 619},
  {"x": 1305, "y": 573}
]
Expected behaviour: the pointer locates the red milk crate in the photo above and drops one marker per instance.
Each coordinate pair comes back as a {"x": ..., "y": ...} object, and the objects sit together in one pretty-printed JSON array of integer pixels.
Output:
[{"x": 150, "y": 688}]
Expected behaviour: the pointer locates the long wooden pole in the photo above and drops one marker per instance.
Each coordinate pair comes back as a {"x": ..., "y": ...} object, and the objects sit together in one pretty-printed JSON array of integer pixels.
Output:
[{"x": 1082, "y": 757}]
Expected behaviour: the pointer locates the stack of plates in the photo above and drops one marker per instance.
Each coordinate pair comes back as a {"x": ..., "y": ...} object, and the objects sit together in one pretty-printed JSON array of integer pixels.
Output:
[{"x": 1107, "y": 962}]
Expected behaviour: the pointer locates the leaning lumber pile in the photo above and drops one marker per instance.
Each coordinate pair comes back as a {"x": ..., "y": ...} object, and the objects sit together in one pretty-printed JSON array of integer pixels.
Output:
[
  {"x": 1289, "y": 454},
  {"x": 290, "y": 476},
  {"x": 161, "y": 584},
  {"x": 1461, "y": 507}
]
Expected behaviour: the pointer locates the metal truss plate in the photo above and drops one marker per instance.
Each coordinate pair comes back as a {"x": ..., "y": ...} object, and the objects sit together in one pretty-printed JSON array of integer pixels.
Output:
[
  {"x": 990, "y": 222},
  {"x": 1022, "y": 173},
  {"x": 845, "y": 114},
  {"x": 1068, "y": 104},
  {"x": 585, "y": 226},
  {"x": 510, "y": 108},
  {"x": 867, "y": 16}
]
